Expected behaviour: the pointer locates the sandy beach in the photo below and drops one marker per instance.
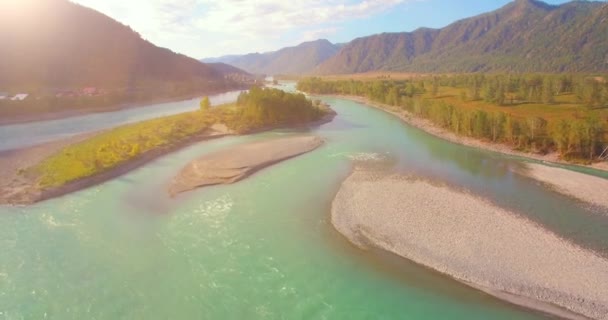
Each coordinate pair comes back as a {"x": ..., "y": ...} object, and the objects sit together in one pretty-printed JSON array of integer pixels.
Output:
[
  {"x": 236, "y": 163},
  {"x": 431, "y": 128},
  {"x": 473, "y": 241}
]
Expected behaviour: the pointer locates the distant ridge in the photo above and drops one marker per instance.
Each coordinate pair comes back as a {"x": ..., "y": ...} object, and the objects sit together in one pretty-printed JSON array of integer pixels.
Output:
[
  {"x": 226, "y": 69},
  {"x": 292, "y": 60},
  {"x": 522, "y": 36}
]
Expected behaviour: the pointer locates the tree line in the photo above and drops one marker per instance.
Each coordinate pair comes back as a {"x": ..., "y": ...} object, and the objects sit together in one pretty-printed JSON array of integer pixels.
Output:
[
  {"x": 580, "y": 138},
  {"x": 260, "y": 107}
]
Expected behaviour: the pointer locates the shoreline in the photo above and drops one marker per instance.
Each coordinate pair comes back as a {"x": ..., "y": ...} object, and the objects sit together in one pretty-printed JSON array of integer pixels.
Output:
[
  {"x": 472, "y": 241},
  {"x": 586, "y": 188},
  {"x": 430, "y": 128},
  {"x": 30, "y": 118},
  {"x": 27, "y": 193}
]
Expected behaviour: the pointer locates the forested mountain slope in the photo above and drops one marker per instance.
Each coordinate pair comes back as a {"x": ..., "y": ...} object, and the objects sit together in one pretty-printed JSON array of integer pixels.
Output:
[{"x": 523, "y": 36}]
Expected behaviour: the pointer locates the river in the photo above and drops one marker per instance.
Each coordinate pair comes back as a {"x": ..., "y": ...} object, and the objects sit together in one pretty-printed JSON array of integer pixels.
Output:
[
  {"x": 262, "y": 248},
  {"x": 32, "y": 133}
]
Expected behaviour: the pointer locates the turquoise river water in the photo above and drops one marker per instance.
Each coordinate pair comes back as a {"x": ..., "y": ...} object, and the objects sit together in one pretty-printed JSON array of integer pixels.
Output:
[{"x": 262, "y": 248}]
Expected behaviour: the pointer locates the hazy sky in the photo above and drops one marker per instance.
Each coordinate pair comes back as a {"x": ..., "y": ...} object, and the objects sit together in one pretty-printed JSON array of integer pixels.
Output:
[{"x": 208, "y": 28}]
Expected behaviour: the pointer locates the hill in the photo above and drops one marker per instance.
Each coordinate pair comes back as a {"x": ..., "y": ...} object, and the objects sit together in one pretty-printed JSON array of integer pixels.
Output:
[
  {"x": 292, "y": 60},
  {"x": 226, "y": 69},
  {"x": 52, "y": 44},
  {"x": 523, "y": 36}
]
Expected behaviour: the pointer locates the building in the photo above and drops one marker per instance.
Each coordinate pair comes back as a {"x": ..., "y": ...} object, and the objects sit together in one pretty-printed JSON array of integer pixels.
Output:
[
  {"x": 20, "y": 97},
  {"x": 90, "y": 91}
]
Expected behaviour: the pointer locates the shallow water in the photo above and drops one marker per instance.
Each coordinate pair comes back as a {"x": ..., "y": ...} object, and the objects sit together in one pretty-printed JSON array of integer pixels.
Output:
[
  {"x": 262, "y": 248},
  {"x": 28, "y": 134}
]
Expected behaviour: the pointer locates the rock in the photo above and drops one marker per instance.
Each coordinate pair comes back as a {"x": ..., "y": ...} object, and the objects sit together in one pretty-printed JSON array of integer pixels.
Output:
[{"x": 236, "y": 163}]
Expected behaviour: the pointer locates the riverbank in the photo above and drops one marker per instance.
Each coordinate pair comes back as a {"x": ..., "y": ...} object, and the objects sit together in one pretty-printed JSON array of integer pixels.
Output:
[
  {"x": 27, "y": 118},
  {"x": 473, "y": 241},
  {"x": 19, "y": 188},
  {"x": 59, "y": 168},
  {"x": 431, "y": 128}
]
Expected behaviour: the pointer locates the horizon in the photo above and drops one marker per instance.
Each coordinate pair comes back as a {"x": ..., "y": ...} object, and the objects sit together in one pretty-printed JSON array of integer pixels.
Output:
[{"x": 188, "y": 26}]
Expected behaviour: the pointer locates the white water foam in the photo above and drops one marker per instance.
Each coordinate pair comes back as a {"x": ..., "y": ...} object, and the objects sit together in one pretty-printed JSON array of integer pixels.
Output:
[{"x": 366, "y": 156}]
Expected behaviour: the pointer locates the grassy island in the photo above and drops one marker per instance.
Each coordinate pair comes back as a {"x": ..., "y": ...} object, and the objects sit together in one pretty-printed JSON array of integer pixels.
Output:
[{"x": 258, "y": 109}]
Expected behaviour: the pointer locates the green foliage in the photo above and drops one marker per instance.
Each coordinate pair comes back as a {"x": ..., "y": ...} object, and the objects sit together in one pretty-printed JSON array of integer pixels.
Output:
[
  {"x": 270, "y": 107},
  {"x": 205, "y": 105},
  {"x": 578, "y": 137},
  {"x": 113, "y": 147}
]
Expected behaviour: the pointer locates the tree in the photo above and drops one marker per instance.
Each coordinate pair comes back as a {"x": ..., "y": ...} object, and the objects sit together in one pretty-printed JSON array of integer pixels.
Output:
[
  {"x": 560, "y": 135},
  {"x": 593, "y": 130},
  {"x": 497, "y": 121},
  {"x": 500, "y": 95},
  {"x": 435, "y": 87},
  {"x": 548, "y": 94},
  {"x": 205, "y": 104},
  {"x": 511, "y": 129},
  {"x": 463, "y": 95}
]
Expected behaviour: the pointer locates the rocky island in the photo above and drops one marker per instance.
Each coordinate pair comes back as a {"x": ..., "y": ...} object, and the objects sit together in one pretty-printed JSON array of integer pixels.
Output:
[{"x": 473, "y": 241}]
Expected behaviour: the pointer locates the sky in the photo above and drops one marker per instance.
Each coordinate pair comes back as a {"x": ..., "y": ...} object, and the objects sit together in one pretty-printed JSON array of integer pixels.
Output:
[{"x": 211, "y": 28}]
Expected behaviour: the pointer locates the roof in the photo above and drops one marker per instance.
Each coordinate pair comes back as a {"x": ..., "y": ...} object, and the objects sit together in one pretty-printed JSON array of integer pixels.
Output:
[{"x": 20, "y": 96}]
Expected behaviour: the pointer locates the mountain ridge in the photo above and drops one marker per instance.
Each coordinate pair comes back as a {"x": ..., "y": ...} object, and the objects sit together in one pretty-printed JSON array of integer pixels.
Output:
[
  {"x": 522, "y": 36},
  {"x": 297, "y": 59}
]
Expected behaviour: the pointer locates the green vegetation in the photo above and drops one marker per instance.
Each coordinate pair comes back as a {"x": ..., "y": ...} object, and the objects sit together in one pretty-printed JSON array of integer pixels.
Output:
[
  {"x": 205, "y": 104},
  {"x": 110, "y": 148},
  {"x": 261, "y": 108},
  {"x": 534, "y": 113}
]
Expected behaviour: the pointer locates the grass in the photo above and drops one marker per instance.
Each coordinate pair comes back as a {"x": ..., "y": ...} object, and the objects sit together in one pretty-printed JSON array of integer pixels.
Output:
[
  {"x": 113, "y": 147},
  {"x": 565, "y": 106}
]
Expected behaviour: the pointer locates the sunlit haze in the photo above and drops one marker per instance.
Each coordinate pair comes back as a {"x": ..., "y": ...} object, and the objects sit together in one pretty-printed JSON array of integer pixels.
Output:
[{"x": 206, "y": 28}]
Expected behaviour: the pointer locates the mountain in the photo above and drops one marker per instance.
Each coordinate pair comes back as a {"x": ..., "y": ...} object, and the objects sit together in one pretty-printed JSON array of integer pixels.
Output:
[
  {"x": 292, "y": 60},
  {"x": 226, "y": 69},
  {"x": 523, "y": 36},
  {"x": 58, "y": 44}
]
